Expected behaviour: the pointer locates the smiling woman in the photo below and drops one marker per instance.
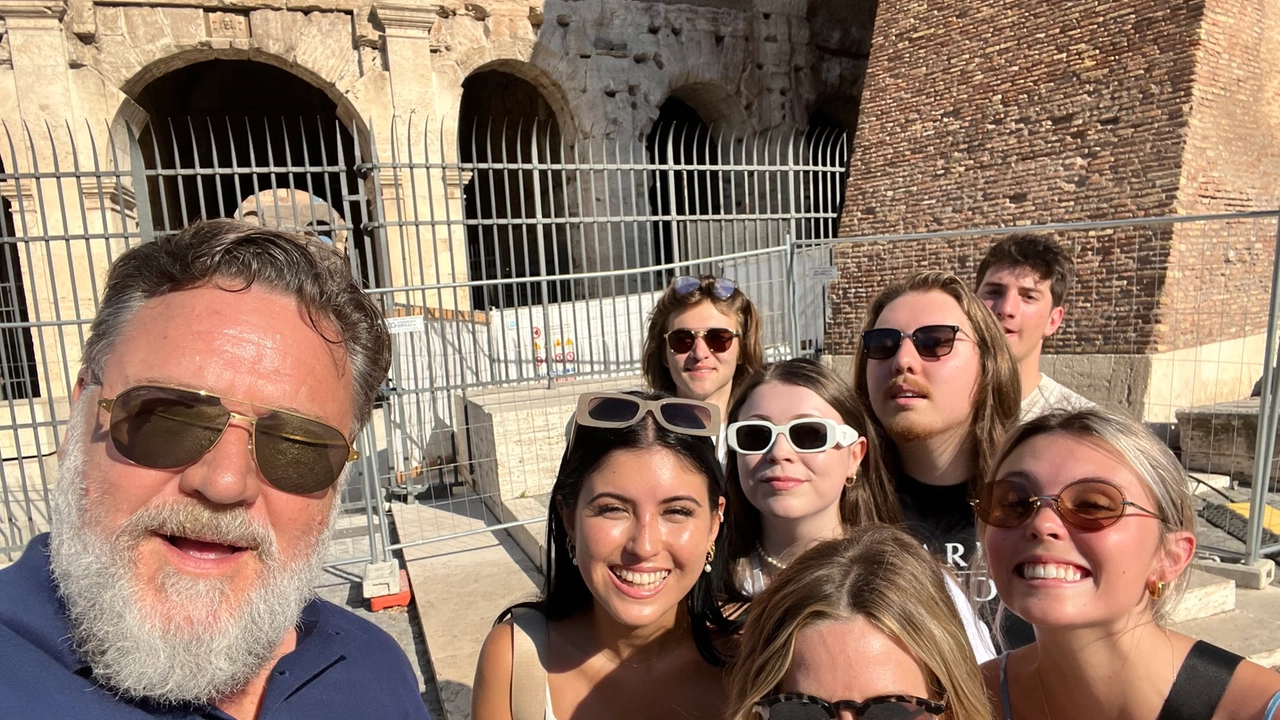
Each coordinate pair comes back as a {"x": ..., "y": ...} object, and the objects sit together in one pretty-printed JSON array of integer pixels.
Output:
[
  {"x": 629, "y": 618},
  {"x": 1088, "y": 528}
]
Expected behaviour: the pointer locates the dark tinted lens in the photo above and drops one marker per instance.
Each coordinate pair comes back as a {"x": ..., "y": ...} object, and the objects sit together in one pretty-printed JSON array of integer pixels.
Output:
[
  {"x": 164, "y": 429},
  {"x": 1004, "y": 504},
  {"x": 298, "y": 455},
  {"x": 681, "y": 341},
  {"x": 934, "y": 340},
  {"x": 798, "y": 710},
  {"x": 611, "y": 410},
  {"x": 807, "y": 435},
  {"x": 753, "y": 438},
  {"x": 894, "y": 711},
  {"x": 881, "y": 343},
  {"x": 683, "y": 415},
  {"x": 1091, "y": 505},
  {"x": 718, "y": 339}
]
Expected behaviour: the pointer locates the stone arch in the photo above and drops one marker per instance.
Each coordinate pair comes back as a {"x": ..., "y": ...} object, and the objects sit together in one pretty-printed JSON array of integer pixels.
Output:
[
  {"x": 550, "y": 89},
  {"x": 505, "y": 117},
  {"x": 129, "y": 114},
  {"x": 714, "y": 104},
  {"x": 257, "y": 132}
]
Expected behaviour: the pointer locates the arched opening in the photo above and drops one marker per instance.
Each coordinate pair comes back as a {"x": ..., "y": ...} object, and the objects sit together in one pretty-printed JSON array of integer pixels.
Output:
[
  {"x": 515, "y": 214},
  {"x": 18, "y": 378},
  {"x": 680, "y": 137},
  {"x": 827, "y": 139},
  {"x": 241, "y": 138}
]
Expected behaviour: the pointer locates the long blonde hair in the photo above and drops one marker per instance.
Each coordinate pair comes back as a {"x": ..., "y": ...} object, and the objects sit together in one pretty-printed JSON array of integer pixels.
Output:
[
  {"x": 997, "y": 399},
  {"x": 878, "y": 573}
]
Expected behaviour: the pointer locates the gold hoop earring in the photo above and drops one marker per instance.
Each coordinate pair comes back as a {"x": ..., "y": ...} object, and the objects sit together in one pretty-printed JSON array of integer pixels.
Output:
[
  {"x": 851, "y": 480},
  {"x": 1156, "y": 589},
  {"x": 711, "y": 555}
]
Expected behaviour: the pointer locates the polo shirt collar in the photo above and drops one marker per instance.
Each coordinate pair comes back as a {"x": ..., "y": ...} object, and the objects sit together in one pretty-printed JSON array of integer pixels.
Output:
[{"x": 29, "y": 586}]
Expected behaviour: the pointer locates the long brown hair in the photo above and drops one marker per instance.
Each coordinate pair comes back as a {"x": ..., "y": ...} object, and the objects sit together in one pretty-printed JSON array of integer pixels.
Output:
[
  {"x": 737, "y": 305},
  {"x": 878, "y": 573},
  {"x": 870, "y": 500},
  {"x": 997, "y": 400}
]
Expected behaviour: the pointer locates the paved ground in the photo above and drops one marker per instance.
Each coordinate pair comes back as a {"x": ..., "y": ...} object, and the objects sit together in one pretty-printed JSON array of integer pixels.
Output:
[{"x": 401, "y": 623}]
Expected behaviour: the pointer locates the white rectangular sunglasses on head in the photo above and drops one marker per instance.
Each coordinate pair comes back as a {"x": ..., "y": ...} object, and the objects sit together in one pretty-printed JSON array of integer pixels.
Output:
[{"x": 805, "y": 435}]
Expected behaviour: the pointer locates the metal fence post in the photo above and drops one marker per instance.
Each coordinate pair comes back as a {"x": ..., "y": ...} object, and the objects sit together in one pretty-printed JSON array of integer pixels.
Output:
[
  {"x": 1265, "y": 444},
  {"x": 141, "y": 193},
  {"x": 790, "y": 243}
]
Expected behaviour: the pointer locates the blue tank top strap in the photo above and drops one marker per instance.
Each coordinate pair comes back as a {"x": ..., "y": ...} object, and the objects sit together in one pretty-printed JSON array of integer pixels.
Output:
[
  {"x": 1004, "y": 688},
  {"x": 1272, "y": 707}
]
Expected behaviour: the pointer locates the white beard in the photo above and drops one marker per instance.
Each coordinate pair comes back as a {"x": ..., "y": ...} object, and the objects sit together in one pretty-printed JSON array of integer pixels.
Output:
[{"x": 200, "y": 644}]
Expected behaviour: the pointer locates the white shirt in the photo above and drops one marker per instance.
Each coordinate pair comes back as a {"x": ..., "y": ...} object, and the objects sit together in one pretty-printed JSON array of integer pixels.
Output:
[{"x": 1048, "y": 395}]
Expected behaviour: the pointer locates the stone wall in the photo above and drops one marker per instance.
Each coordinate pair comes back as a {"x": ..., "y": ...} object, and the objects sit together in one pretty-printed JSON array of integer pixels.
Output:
[{"x": 1005, "y": 114}]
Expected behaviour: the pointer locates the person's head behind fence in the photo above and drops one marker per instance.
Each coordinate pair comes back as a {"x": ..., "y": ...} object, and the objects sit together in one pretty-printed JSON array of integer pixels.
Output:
[{"x": 683, "y": 295}]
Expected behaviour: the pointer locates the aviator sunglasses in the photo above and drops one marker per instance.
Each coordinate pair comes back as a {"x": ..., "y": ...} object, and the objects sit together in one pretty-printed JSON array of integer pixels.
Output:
[
  {"x": 164, "y": 428},
  {"x": 1087, "y": 504},
  {"x": 806, "y": 435},
  {"x": 618, "y": 410},
  {"x": 721, "y": 288},
  {"x": 791, "y": 706},
  {"x": 718, "y": 339},
  {"x": 931, "y": 341}
]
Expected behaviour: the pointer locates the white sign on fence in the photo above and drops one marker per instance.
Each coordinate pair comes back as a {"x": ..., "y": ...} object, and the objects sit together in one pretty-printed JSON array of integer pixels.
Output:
[
  {"x": 823, "y": 272},
  {"x": 406, "y": 324}
]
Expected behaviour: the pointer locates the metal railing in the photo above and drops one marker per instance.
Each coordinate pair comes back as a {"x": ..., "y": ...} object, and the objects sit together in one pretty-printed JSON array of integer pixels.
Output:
[
  {"x": 520, "y": 269},
  {"x": 516, "y": 262}
]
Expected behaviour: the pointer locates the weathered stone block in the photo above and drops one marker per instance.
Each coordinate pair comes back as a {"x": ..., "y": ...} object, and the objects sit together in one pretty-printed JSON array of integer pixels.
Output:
[{"x": 1222, "y": 438}]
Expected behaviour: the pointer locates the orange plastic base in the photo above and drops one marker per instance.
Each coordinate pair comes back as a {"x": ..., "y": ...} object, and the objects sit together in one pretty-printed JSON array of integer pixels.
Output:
[{"x": 400, "y": 599}]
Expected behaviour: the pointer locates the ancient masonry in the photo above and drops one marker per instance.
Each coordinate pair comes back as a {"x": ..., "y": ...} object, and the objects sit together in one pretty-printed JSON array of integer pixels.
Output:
[
  {"x": 90, "y": 72},
  {"x": 1009, "y": 112}
]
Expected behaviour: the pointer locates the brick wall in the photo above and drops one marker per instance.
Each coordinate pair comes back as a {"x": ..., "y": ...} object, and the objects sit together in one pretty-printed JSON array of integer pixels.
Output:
[
  {"x": 1010, "y": 113},
  {"x": 1221, "y": 276}
]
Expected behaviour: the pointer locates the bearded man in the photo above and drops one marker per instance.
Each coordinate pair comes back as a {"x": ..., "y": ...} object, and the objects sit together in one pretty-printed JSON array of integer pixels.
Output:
[{"x": 224, "y": 376}]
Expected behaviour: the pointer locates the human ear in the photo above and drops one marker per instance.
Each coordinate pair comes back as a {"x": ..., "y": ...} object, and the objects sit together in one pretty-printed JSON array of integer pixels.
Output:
[
  {"x": 567, "y": 519},
  {"x": 717, "y": 519},
  {"x": 1055, "y": 321},
  {"x": 857, "y": 451},
  {"x": 1179, "y": 549}
]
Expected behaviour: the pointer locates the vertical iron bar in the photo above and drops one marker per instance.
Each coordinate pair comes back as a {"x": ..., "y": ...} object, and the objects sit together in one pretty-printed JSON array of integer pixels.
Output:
[{"x": 1264, "y": 446}]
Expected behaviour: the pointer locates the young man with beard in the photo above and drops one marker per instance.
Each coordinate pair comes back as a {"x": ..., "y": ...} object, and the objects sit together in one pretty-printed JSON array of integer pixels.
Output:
[
  {"x": 1024, "y": 280},
  {"x": 222, "y": 380},
  {"x": 940, "y": 388}
]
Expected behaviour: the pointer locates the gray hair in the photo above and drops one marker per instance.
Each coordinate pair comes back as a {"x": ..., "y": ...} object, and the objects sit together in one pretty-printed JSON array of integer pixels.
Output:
[
  {"x": 234, "y": 256},
  {"x": 1153, "y": 463}
]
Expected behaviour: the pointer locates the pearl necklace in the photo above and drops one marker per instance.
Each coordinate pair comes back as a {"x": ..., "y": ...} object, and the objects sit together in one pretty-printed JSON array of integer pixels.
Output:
[{"x": 769, "y": 558}]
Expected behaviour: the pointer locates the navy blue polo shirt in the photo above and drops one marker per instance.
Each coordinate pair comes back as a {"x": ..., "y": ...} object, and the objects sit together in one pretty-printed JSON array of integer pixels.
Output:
[{"x": 343, "y": 666}]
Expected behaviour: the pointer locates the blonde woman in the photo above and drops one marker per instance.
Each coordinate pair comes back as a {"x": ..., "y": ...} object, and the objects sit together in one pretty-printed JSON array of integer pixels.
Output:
[
  {"x": 860, "y": 627},
  {"x": 1088, "y": 529}
]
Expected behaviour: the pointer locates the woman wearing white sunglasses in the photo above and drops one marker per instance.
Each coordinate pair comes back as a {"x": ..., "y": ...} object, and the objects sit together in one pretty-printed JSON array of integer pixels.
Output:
[{"x": 793, "y": 476}]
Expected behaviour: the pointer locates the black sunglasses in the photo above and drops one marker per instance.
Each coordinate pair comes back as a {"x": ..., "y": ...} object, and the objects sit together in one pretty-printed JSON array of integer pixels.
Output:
[
  {"x": 718, "y": 340},
  {"x": 793, "y": 706},
  {"x": 1088, "y": 504},
  {"x": 931, "y": 341},
  {"x": 164, "y": 428}
]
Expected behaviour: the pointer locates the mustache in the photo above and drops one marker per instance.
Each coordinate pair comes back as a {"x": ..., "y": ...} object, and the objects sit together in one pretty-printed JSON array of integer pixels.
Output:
[
  {"x": 908, "y": 382},
  {"x": 191, "y": 519}
]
